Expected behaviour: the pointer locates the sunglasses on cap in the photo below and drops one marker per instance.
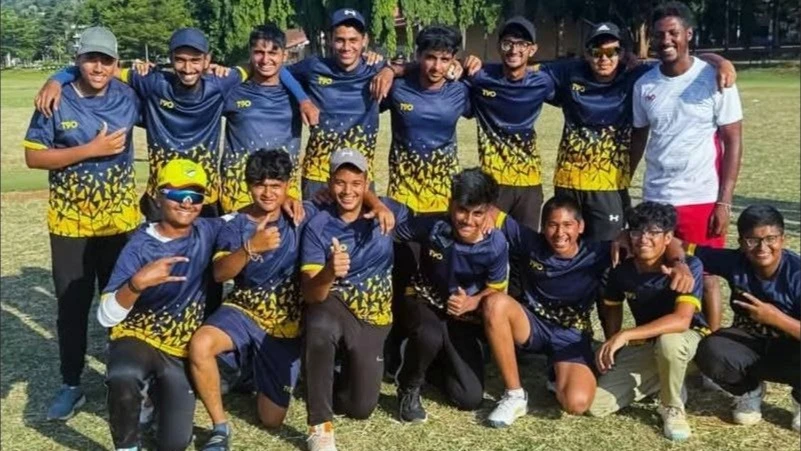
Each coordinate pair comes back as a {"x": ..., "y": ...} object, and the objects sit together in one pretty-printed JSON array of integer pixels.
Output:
[
  {"x": 183, "y": 195},
  {"x": 610, "y": 52}
]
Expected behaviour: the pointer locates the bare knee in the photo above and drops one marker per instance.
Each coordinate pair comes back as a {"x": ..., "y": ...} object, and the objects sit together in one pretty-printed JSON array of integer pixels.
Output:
[
  {"x": 271, "y": 415},
  {"x": 495, "y": 308},
  {"x": 576, "y": 402},
  {"x": 201, "y": 347}
]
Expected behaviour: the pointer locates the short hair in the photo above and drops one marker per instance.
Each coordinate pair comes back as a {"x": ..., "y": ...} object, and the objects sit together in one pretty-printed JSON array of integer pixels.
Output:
[
  {"x": 473, "y": 187},
  {"x": 266, "y": 164},
  {"x": 353, "y": 23},
  {"x": 560, "y": 202},
  {"x": 649, "y": 214},
  {"x": 758, "y": 216},
  {"x": 268, "y": 32},
  {"x": 438, "y": 38},
  {"x": 674, "y": 9}
]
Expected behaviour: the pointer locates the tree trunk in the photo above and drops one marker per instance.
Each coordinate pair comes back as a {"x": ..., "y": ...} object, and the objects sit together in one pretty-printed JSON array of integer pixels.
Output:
[{"x": 642, "y": 41}]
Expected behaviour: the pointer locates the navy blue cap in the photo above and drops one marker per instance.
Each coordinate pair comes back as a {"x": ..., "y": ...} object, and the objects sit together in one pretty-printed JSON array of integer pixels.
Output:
[
  {"x": 347, "y": 14},
  {"x": 189, "y": 37},
  {"x": 524, "y": 24},
  {"x": 607, "y": 29}
]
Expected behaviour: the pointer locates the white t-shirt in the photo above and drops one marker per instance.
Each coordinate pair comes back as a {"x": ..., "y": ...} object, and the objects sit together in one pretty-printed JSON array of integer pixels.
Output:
[{"x": 683, "y": 114}]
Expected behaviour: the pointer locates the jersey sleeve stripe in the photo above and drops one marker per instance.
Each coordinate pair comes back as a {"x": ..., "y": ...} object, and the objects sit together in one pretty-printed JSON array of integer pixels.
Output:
[
  {"x": 500, "y": 286},
  {"x": 691, "y": 249},
  {"x": 242, "y": 73},
  {"x": 311, "y": 268},
  {"x": 125, "y": 76},
  {"x": 690, "y": 300},
  {"x": 220, "y": 255},
  {"x": 612, "y": 303},
  {"x": 33, "y": 145},
  {"x": 500, "y": 220}
]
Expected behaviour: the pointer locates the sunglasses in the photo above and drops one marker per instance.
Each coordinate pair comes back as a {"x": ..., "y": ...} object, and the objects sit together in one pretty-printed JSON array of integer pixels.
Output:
[
  {"x": 647, "y": 234},
  {"x": 517, "y": 45},
  {"x": 183, "y": 196},
  {"x": 753, "y": 243},
  {"x": 610, "y": 52}
]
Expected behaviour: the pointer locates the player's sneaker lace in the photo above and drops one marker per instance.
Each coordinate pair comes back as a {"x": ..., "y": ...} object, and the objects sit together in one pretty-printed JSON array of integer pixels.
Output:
[
  {"x": 321, "y": 437},
  {"x": 674, "y": 423}
]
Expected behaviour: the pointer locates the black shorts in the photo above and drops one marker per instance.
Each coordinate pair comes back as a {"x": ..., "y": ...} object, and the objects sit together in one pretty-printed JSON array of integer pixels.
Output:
[
  {"x": 603, "y": 211},
  {"x": 523, "y": 203}
]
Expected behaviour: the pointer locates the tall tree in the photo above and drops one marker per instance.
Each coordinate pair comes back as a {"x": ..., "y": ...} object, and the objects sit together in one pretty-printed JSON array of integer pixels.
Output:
[
  {"x": 280, "y": 12},
  {"x": 382, "y": 24},
  {"x": 21, "y": 36}
]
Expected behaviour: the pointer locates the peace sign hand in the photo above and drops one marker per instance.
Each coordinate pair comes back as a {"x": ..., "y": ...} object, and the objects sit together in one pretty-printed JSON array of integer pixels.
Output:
[{"x": 158, "y": 272}]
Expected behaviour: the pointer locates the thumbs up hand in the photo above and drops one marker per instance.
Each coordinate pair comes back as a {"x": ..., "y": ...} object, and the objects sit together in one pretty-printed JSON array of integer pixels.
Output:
[
  {"x": 460, "y": 303},
  {"x": 339, "y": 260},
  {"x": 265, "y": 238}
]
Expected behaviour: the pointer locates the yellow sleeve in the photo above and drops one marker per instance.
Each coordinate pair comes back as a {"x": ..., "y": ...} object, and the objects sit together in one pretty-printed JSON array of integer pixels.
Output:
[
  {"x": 690, "y": 299},
  {"x": 125, "y": 76},
  {"x": 691, "y": 249},
  {"x": 33, "y": 145},
  {"x": 500, "y": 220},
  {"x": 311, "y": 268},
  {"x": 220, "y": 255},
  {"x": 500, "y": 286}
]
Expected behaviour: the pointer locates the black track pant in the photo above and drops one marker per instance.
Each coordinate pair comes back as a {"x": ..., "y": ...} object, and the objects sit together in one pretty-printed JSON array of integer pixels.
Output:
[
  {"x": 79, "y": 264},
  {"x": 445, "y": 351},
  {"x": 132, "y": 365},
  {"x": 739, "y": 361},
  {"x": 353, "y": 391}
]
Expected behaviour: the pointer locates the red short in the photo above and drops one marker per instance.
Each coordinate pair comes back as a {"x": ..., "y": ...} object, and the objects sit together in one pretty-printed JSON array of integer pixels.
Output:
[{"x": 692, "y": 225}]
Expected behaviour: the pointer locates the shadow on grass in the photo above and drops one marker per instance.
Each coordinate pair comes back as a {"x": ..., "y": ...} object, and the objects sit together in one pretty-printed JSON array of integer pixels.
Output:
[
  {"x": 712, "y": 403},
  {"x": 30, "y": 356},
  {"x": 243, "y": 406}
]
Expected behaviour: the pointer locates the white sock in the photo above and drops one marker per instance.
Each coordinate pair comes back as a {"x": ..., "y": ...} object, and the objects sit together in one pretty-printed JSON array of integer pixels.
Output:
[{"x": 516, "y": 393}]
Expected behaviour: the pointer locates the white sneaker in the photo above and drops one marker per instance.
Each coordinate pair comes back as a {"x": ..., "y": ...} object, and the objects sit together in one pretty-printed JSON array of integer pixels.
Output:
[
  {"x": 674, "y": 423},
  {"x": 509, "y": 408},
  {"x": 748, "y": 407},
  {"x": 796, "y": 416},
  {"x": 321, "y": 437}
]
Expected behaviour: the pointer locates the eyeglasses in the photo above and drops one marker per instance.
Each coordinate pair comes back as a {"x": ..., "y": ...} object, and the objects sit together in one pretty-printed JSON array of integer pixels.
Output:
[
  {"x": 640, "y": 234},
  {"x": 183, "y": 196},
  {"x": 517, "y": 45},
  {"x": 753, "y": 242},
  {"x": 609, "y": 52}
]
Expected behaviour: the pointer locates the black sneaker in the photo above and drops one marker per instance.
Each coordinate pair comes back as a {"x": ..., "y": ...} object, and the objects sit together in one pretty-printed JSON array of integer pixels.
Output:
[
  {"x": 217, "y": 442},
  {"x": 410, "y": 408}
]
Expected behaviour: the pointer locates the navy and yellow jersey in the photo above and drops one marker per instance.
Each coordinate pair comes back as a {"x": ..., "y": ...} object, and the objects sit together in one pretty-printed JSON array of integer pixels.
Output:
[
  {"x": 165, "y": 316},
  {"x": 257, "y": 117},
  {"x": 97, "y": 196},
  {"x": 593, "y": 154},
  {"x": 423, "y": 156},
  {"x": 783, "y": 290},
  {"x": 506, "y": 112},
  {"x": 649, "y": 295},
  {"x": 267, "y": 290},
  {"x": 348, "y": 113},
  {"x": 183, "y": 123},
  {"x": 367, "y": 288},
  {"x": 562, "y": 290},
  {"x": 447, "y": 264}
]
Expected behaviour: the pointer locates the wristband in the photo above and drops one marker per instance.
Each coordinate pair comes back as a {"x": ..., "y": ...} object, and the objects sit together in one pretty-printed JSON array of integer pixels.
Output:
[
  {"x": 724, "y": 204},
  {"x": 133, "y": 287}
]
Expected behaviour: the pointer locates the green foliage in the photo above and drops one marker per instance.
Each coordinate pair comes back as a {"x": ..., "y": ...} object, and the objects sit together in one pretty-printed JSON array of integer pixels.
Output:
[
  {"x": 280, "y": 12},
  {"x": 21, "y": 36},
  {"x": 137, "y": 23},
  {"x": 382, "y": 24}
]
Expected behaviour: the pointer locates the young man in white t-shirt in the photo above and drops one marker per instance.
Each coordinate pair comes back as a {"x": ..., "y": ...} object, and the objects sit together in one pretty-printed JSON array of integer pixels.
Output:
[{"x": 693, "y": 132}]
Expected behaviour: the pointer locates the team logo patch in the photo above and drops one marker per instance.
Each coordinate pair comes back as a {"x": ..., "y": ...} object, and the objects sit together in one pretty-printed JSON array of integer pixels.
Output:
[
  {"x": 650, "y": 97},
  {"x": 69, "y": 125},
  {"x": 244, "y": 103},
  {"x": 324, "y": 81},
  {"x": 488, "y": 93},
  {"x": 535, "y": 265},
  {"x": 435, "y": 254},
  {"x": 577, "y": 87},
  {"x": 614, "y": 218},
  {"x": 166, "y": 104},
  {"x": 406, "y": 106}
]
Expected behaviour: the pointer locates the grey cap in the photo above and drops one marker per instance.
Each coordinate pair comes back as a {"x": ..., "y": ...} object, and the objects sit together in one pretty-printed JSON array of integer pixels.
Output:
[
  {"x": 99, "y": 40},
  {"x": 348, "y": 156}
]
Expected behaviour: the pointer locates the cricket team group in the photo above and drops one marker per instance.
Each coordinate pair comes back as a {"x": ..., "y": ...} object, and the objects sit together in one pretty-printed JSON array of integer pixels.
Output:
[{"x": 451, "y": 269}]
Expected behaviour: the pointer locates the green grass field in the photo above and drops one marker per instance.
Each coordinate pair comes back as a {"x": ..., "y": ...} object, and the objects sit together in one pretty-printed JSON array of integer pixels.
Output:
[{"x": 29, "y": 353}]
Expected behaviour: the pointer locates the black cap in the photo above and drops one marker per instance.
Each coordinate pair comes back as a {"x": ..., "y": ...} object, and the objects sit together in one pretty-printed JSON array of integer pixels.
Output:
[
  {"x": 189, "y": 37},
  {"x": 603, "y": 29},
  {"x": 347, "y": 14},
  {"x": 523, "y": 23}
]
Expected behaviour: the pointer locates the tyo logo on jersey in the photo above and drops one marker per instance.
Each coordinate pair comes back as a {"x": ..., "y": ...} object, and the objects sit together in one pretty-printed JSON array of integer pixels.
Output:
[
  {"x": 435, "y": 254},
  {"x": 488, "y": 93},
  {"x": 244, "y": 103},
  {"x": 577, "y": 87},
  {"x": 166, "y": 104},
  {"x": 535, "y": 265},
  {"x": 69, "y": 125},
  {"x": 324, "y": 81},
  {"x": 406, "y": 106}
]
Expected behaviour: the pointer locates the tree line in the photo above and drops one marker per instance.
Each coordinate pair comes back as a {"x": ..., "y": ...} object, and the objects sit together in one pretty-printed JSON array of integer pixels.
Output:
[{"x": 46, "y": 30}]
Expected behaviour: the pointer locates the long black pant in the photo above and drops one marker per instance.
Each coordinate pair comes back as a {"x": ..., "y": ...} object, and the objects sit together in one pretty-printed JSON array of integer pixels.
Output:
[
  {"x": 132, "y": 365},
  {"x": 739, "y": 361},
  {"x": 152, "y": 213},
  {"x": 445, "y": 351},
  {"x": 77, "y": 264},
  {"x": 330, "y": 327}
]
